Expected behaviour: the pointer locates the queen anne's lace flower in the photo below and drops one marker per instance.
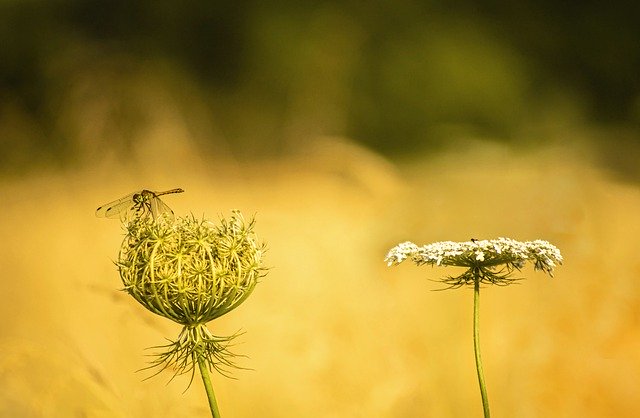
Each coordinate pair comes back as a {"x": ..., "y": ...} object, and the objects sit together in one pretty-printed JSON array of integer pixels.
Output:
[
  {"x": 191, "y": 271},
  {"x": 492, "y": 261}
]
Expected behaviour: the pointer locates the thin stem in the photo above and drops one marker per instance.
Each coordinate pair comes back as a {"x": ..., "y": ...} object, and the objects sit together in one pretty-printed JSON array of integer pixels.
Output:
[
  {"x": 476, "y": 344},
  {"x": 206, "y": 379}
]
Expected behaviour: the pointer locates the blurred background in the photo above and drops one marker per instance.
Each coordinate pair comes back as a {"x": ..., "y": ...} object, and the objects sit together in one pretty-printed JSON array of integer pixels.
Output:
[{"x": 346, "y": 128}]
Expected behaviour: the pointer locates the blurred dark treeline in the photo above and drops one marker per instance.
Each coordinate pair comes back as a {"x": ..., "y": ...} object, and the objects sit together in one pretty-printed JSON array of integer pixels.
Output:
[{"x": 399, "y": 76}]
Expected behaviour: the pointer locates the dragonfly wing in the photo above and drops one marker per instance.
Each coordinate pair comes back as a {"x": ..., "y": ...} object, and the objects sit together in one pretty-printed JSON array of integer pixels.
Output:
[
  {"x": 115, "y": 208},
  {"x": 158, "y": 207}
]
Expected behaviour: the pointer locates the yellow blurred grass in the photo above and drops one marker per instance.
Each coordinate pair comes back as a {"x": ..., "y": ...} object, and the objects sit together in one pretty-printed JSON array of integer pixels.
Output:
[{"x": 331, "y": 331}]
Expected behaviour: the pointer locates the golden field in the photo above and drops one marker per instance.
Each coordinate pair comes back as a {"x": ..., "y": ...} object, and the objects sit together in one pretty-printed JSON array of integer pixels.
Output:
[{"x": 331, "y": 331}]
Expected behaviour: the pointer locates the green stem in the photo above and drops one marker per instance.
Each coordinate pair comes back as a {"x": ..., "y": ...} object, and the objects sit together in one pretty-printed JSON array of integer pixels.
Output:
[
  {"x": 476, "y": 345},
  {"x": 206, "y": 379}
]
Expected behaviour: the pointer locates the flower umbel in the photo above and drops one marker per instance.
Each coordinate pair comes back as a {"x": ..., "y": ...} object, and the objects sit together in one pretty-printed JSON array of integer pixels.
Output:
[
  {"x": 493, "y": 260},
  {"x": 191, "y": 271},
  {"x": 485, "y": 261}
]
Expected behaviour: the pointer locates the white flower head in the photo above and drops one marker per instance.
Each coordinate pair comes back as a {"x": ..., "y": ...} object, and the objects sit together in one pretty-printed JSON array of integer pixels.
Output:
[
  {"x": 400, "y": 252},
  {"x": 492, "y": 260}
]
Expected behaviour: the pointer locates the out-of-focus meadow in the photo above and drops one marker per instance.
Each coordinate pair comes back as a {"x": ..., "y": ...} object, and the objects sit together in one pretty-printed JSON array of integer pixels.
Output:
[{"x": 297, "y": 137}]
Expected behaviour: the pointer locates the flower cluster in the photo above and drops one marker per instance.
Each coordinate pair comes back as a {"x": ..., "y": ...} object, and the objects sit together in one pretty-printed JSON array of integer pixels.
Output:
[
  {"x": 491, "y": 260},
  {"x": 191, "y": 271}
]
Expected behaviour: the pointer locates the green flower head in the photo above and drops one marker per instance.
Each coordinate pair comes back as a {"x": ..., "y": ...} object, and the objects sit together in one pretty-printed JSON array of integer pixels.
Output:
[{"x": 191, "y": 271}]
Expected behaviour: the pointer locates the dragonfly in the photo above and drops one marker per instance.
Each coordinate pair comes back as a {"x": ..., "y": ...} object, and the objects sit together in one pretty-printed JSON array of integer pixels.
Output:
[{"x": 137, "y": 204}]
